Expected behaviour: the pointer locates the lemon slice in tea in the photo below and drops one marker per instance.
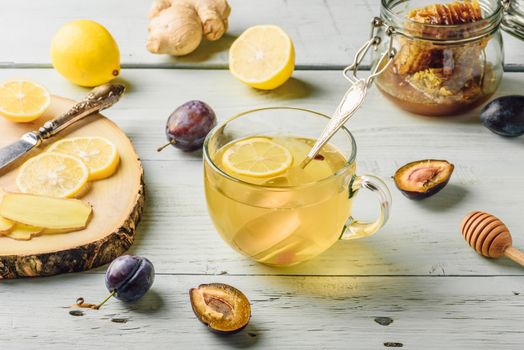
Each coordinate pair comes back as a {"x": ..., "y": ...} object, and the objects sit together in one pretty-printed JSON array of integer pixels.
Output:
[
  {"x": 98, "y": 153},
  {"x": 257, "y": 157},
  {"x": 52, "y": 174}
]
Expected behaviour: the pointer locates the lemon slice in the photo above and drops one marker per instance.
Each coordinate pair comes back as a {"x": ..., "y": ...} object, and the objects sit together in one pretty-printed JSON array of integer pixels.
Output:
[
  {"x": 262, "y": 57},
  {"x": 98, "y": 153},
  {"x": 257, "y": 157},
  {"x": 52, "y": 174},
  {"x": 23, "y": 101}
]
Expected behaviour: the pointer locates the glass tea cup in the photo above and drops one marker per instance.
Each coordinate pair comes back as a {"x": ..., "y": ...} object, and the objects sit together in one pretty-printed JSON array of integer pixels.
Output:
[{"x": 282, "y": 224}]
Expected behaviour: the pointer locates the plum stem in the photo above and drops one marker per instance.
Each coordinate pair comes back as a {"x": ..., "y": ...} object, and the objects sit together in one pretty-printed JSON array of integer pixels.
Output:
[
  {"x": 106, "y": 299},
  {"x": 80, "y": 302},
  {"x": 172, "y": 142}
]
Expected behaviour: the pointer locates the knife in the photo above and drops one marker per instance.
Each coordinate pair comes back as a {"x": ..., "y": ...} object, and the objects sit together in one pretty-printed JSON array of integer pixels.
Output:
[{"x": 101, "y": 97}]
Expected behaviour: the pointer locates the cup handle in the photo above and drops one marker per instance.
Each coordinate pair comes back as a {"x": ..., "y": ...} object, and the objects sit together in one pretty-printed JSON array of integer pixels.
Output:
[{"x": 356, "y": 228}]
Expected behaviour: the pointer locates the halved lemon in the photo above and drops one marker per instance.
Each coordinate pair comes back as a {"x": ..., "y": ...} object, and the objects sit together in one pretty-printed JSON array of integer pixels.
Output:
[
  {"x": 23, "y": 101},
  {"x": 257, "y": 157},
  {"x": 52, "y": 174},
  {"x": 98, "y": 153},
  {"x": 262, "y": 57}
]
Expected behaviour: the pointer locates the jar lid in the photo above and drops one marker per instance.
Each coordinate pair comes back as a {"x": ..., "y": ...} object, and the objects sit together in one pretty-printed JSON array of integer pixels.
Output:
[{"x": 513, "y": 20}]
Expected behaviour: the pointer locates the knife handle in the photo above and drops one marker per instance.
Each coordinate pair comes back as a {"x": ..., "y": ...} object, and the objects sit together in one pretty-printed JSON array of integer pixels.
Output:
[{"x": 101, "y": 97}]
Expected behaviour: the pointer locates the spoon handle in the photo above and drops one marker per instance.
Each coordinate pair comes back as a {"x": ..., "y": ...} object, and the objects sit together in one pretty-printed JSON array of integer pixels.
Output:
[
  {"x": 351, "y": 101},
  {"x": 515, "y": 255},
  {"x": 355, "y": 95}
]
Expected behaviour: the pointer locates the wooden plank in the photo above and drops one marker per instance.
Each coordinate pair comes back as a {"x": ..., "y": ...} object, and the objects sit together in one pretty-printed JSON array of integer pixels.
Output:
[
  {"x": 287, "y": 313},
  {"x": 422, "y": 238},
  {"x": 326, "y": 33}
]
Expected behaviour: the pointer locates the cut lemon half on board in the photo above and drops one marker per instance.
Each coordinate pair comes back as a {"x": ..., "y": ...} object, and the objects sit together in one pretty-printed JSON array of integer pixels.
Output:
[
  {"x": 52, "y": 174},
  {"x": 98, "y": 154},
  {"x": 262, "y": 57},
  {"x": 23, "y": 101},
  {"x": 257, "y": 157}
]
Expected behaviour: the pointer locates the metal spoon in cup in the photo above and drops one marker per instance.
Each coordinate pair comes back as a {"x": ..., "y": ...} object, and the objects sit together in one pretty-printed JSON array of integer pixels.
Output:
[{"x": 355, "y": 95}]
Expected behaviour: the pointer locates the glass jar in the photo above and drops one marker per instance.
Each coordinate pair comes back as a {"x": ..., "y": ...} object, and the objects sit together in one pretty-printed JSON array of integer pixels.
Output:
[{"x": 438, "y": 67}]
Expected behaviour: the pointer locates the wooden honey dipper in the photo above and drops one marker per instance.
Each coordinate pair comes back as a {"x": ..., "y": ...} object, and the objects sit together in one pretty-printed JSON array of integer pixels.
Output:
[{"x": 489, "y": 236}]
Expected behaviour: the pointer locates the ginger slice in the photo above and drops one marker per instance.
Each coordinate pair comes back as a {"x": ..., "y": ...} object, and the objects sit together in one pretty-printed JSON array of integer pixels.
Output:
[
  {"x": 22, "y": 232},
  {"x": 46, "y": 212},
  {"x": 54, "y": 231},
  {"x": 5, "y": 226}
]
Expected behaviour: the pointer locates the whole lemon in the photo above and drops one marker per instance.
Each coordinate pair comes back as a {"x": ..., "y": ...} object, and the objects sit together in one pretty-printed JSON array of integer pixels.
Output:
[{"x": 85, "y": 53}]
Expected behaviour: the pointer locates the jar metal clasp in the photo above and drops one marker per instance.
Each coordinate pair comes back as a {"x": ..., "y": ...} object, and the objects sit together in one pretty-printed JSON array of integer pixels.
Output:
[{"x": 350, "y": 72}]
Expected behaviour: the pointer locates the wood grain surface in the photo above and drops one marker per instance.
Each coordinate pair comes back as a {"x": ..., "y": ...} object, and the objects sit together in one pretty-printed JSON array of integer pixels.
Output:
[
  {"x": 288, "y": 313},
  {"x": 418, "y": 271},
  {"x": 326, "y": 33}
]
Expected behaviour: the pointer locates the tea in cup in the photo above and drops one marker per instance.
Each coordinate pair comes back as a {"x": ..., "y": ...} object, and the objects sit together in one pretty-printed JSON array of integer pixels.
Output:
[{"x": 269, "y": 208}]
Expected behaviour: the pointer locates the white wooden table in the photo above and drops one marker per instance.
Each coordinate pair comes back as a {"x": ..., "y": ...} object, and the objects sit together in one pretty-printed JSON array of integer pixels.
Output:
[{"x": 418, "y": 270}]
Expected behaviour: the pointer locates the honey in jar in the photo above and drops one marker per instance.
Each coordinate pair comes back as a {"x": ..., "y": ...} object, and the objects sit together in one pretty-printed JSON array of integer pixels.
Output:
[{"x": 448, "y": 55}]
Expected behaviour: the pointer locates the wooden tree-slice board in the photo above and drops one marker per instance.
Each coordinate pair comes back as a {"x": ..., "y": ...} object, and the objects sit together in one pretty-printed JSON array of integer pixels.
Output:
[{"x": 117, "y": 205}]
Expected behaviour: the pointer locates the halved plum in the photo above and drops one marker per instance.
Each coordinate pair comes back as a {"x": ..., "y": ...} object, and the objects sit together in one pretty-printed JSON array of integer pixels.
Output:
[
  {"x": 221, "y": 307},
  {"x": 423, "y": 178}
]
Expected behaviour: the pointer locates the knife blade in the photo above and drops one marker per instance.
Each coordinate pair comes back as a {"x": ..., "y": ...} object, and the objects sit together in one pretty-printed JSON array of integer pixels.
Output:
[
  {"x": 101, "y": 97},
  {"x": 15, "y": 150}
]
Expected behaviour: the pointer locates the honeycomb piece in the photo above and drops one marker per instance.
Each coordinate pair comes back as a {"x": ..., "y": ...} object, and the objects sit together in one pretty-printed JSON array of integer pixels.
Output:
[
  {"x": 430, "y": 81},
  {"x": 457, "y": 12},
  {"x": 415, "y": 55},
  {"x": 438, "y": 82}
]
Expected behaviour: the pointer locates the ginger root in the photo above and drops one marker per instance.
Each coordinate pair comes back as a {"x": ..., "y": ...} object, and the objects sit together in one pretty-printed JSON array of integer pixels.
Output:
[{"x": 176, "y": 27}]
